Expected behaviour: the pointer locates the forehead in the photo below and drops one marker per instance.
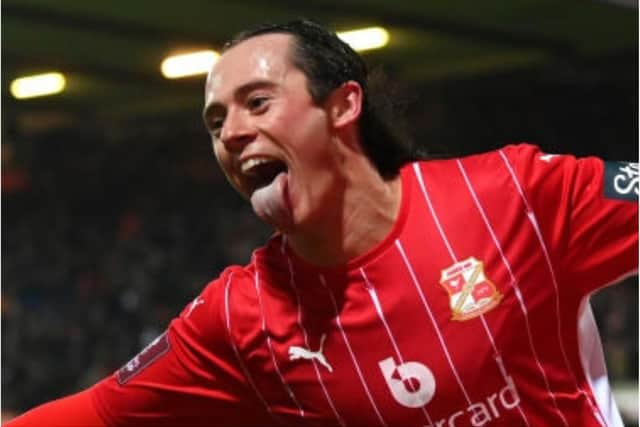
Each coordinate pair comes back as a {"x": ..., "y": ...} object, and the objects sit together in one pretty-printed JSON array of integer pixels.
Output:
[{"x": 264, "y": 57}]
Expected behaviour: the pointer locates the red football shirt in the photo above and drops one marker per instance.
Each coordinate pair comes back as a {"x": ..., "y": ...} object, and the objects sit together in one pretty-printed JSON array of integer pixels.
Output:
[{"x": 473, "y": 311}]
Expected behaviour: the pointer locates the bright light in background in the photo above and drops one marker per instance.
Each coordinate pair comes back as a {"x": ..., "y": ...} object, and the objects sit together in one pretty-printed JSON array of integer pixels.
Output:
[
  {"x": 38, "y": 85},
  {"x": 200, "y": 62},
  {"x": 366, "y": 38},
  {"x": 189, "y": 64}
]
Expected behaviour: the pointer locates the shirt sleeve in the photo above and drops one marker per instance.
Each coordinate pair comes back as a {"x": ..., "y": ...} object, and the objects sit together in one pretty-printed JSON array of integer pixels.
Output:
[
  {"x": 187, "y": 376},
  {"x": 586, "y": 213},
  {"x": 76, "y": 410}
]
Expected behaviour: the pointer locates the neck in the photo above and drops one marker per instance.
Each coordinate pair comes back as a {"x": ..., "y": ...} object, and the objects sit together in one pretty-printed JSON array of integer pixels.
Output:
[{"x": 357, "y": 219}]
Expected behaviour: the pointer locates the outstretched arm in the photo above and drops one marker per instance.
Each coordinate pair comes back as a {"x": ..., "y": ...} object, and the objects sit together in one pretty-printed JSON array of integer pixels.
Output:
[{"x": 74, "y": 410}]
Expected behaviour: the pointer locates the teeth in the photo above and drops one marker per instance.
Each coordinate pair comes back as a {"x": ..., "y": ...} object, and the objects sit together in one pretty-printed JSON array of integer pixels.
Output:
[{"x": 249, "y": 164}]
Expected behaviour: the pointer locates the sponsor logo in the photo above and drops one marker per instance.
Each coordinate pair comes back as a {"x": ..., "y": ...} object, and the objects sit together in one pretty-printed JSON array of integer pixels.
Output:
[
  {"x": 296, "y": 353},
  {"x": 412, "y": 384},
  {"x": 471, "y": 293},
  {"x": 621, "y": 180},
  {"x": 483, "y": 412},
  {"x": 157, "y": 348}
]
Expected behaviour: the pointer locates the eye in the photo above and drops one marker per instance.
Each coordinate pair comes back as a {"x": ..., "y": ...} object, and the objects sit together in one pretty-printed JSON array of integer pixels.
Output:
[
  {"x": 257, "y": 103},
  {"x": 215, "y": 126}
]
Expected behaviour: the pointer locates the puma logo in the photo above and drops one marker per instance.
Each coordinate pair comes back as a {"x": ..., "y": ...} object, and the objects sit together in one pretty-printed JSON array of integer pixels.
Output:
[{"x": 296, "y": 353}]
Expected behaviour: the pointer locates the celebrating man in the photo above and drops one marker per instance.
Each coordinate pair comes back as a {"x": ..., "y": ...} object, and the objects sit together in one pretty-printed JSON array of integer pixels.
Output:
[{"x": 396, "y": 291}]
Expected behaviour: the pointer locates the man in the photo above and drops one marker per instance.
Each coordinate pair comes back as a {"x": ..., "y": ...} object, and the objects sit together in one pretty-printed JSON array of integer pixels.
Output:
[{"x": 395, "y": 292}]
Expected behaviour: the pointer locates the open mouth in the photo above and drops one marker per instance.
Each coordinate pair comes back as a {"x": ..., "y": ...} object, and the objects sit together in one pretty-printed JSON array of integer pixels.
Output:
[{"x": 261, "y": 171}]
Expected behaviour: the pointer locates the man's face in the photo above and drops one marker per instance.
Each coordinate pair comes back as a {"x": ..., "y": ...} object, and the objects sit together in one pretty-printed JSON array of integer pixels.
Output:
[{"x": 270, "y": 139}]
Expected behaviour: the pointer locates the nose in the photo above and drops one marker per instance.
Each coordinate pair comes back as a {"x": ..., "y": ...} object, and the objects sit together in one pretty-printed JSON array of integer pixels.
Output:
[{"x": 236, "y": 131}]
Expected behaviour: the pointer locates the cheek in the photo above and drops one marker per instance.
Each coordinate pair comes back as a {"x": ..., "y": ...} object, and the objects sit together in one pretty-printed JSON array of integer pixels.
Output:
[
  {"x": 310, "y": 134},
  {"x": 298, "y": 121}
]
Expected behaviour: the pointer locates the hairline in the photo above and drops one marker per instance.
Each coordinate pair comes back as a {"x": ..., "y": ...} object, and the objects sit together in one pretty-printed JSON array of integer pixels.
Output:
[{"x": 293, "y": 55}]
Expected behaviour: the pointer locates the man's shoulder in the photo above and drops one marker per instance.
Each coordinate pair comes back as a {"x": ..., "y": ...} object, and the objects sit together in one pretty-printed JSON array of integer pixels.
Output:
[
  {"x": 235, "y": 274},
  {"x": 515, "y": 152}
]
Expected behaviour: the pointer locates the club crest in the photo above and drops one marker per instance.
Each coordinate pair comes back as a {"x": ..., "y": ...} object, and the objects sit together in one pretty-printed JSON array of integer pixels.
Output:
[{"x": 471, "y": 293}]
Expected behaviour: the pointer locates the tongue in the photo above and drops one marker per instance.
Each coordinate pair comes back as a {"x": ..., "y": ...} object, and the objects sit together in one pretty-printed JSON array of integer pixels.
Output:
[{"x": 271, "y": 205}]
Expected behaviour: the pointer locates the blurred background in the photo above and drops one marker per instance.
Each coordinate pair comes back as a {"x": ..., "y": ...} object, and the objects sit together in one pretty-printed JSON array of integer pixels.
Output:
[{"x": 115, "y": 215}]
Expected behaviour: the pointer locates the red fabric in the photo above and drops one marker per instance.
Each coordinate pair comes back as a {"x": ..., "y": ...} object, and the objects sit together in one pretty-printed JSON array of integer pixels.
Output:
[
  {"x": 466, "y": 314},
  {"x": 76, "y": 410}
]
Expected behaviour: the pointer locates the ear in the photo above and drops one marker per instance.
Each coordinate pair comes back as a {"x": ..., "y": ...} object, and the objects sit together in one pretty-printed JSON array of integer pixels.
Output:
[{"x": 345, "y": 104}]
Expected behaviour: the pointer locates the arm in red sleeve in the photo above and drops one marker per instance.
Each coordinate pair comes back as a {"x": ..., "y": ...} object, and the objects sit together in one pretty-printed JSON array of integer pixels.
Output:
[
  {"x": 587, "y": 211},
  {"x": 188, "y": 376},
  {"x": 74, "y": 410}
]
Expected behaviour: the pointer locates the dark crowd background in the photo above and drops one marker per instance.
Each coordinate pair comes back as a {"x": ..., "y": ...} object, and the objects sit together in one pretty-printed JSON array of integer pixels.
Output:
[{"x": 108, "y": 232}]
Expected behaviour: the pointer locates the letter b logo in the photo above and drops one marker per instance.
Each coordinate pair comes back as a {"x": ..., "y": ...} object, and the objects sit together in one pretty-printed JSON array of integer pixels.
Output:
[{"x": 412, "y": 384}]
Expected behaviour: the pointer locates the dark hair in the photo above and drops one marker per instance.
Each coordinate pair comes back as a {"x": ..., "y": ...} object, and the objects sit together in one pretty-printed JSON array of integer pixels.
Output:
[{"x": 328, "y": 62}]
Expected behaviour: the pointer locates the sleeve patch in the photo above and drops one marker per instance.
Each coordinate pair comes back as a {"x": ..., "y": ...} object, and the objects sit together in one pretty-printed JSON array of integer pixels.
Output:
[
  {"x": 156, "y": 349},
  {"x": 621, "y": 180}
]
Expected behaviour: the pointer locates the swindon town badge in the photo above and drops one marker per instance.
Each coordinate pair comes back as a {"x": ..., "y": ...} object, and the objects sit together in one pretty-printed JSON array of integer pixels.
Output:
[{"x": 471, "y": 293}]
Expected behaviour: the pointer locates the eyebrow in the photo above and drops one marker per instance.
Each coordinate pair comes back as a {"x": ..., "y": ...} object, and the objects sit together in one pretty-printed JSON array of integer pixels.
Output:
[{"x": 238, "y": 93}]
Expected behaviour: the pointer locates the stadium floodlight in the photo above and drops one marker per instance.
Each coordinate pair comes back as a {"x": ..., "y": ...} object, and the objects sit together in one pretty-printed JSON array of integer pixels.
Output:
[
  {"x": 200, "y": 62},
  {"x": 188, "y": 64},
  {"x": 38, "y": 85},
  {"x": 365, "y": 38}
]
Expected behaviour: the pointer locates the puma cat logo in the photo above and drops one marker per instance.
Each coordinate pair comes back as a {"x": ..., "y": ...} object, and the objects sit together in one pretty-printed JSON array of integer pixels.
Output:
[{"x": 296, "y": 353}]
